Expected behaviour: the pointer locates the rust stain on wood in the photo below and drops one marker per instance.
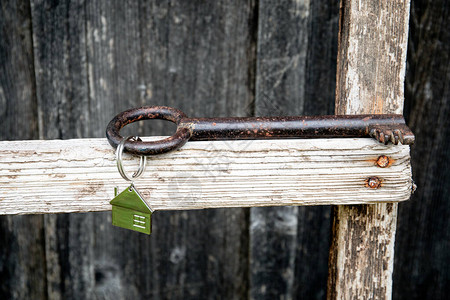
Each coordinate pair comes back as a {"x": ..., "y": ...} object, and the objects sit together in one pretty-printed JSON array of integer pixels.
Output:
[
  {"x": 90, "y": 189},
  {"x": 382, "y": 161},
  {"x": 378, "y": 104},
  {"x": 373, "y": 182}
]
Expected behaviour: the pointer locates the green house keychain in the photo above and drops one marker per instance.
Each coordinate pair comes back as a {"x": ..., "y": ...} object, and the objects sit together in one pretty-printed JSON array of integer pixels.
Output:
[{"x": 131, "y": 211}]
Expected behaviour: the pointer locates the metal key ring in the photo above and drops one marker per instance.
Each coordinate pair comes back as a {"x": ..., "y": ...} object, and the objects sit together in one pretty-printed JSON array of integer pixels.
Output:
[
  {"x": 119, "y": 152},
  {"x": 181, "y": 136}
]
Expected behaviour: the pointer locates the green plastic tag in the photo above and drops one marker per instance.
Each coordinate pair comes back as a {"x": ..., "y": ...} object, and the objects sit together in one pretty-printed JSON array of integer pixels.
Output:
[{"x": 131, "y": 211}]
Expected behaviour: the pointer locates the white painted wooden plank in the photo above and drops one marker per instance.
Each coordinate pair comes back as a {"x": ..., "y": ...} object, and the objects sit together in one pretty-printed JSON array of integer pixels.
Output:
[{"x": 79, "y": 175}]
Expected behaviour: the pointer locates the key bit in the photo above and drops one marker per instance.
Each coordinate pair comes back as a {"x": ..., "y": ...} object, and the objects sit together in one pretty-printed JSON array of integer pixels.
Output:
[{"x": 392, "y": 133}]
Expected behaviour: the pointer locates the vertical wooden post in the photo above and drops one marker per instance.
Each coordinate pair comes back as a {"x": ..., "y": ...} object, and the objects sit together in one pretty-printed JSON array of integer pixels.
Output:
[{"x": 370, "y": 74}]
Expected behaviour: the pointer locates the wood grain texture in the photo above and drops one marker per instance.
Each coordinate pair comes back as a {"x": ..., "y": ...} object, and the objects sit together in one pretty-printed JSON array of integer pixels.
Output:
[
  {"x": 79, "y": 175},
  {"x": 314, "y": 223},
  {"x": 320, "y": 89},
  {"x": 370, "y": 75},
  {"x": 22, "y": 252},
  {"x": 280, "y": 82},
  {"x": 121, "y": 55},
  {"x": 114, "y": 57},
  {"x": 198, "y": 57},
  {"x": 95, "y": 59},
  {"x": 422, "y": 260},
  {"x": 295, "y": 75},
  {"x": 60, "y": 60},
  {"x": 168, "y": 69},
  {"x": 372, "y": 57}
]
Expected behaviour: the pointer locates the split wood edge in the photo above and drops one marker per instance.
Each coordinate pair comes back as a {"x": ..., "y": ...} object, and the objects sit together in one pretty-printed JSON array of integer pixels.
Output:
[{"x": 61, "y": 176}]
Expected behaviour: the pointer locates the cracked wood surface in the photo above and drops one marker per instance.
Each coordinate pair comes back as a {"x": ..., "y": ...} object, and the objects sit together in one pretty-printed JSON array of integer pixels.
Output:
[
  {"x": 370, "y": 76},
  {"x": 79, "y": 175}
]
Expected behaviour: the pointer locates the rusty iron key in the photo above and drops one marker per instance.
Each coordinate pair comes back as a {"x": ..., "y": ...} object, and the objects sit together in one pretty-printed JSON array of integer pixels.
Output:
[{"x": 384, "y": 128}]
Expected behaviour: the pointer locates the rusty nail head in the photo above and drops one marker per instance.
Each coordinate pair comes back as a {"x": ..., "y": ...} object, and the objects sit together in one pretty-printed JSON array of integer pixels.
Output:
[
  {"x": 373, "y": 182},
  {"x": 383, "y": 161}
]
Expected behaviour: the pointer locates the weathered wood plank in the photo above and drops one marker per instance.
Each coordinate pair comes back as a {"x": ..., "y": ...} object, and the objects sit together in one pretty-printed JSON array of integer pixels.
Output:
[
  {"x": 138, "y": 53},
  {"x": 422, "y": 254},
  {"x": 314, "y": 223},
  {"x": 59, "y": 44},
  {"x": 196, "y": 56},
  {"x": 22, "y": 251},
  {"x": 422, "y": 259},
  {"x": 17, "y": 118},
  {"x": 320, "y": 75},
  {"x": 372, "y": 57},
  {"x": 115, "y": 33},
  {"x": 371, "y": 69},
  {"x": 280, "y": 83},
  {"x": 79, "y": 175},
  {"x": 297, "y": 46}
]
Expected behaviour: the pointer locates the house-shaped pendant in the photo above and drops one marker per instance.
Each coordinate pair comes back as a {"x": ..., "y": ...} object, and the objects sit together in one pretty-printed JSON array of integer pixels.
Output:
[{"x": 131, "y": 211}]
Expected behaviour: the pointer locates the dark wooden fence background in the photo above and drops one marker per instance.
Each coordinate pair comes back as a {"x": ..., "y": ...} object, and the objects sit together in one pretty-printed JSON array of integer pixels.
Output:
[{"x": 67, "y": 67}]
